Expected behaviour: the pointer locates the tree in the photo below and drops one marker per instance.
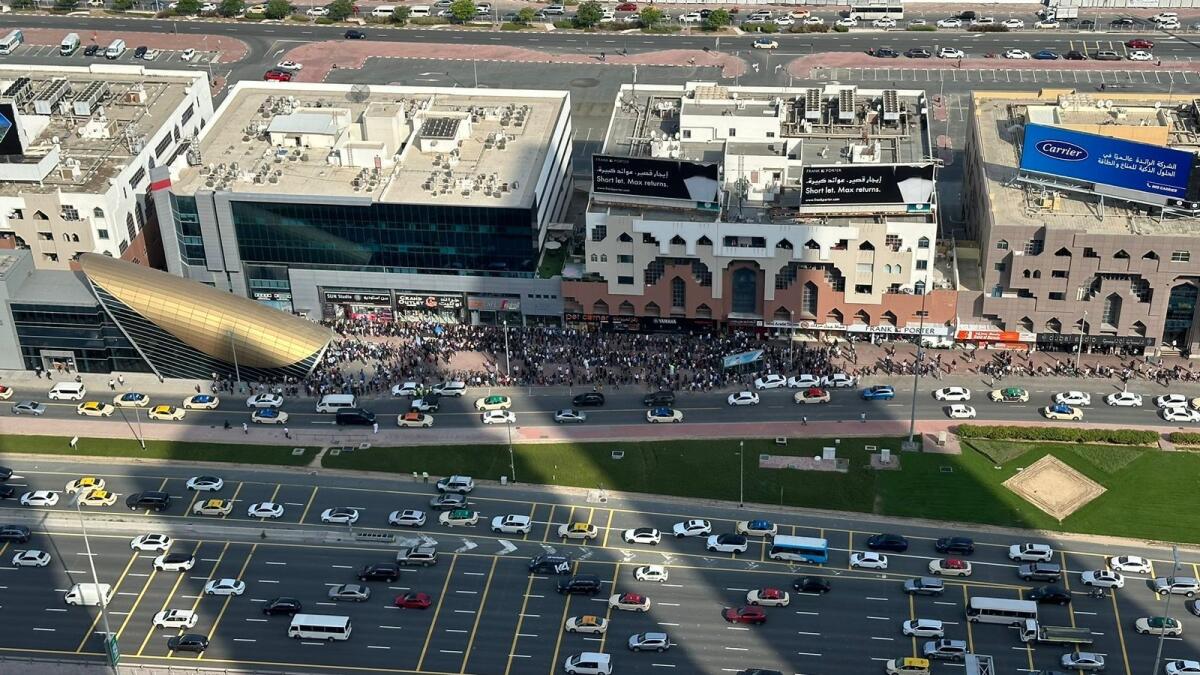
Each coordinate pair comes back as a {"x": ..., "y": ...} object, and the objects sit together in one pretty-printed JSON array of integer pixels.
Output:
[
  {"x": 66, "y": 5},
  {"x": 186, "y": 7},
  {"x": 717, "y": 19},
  {"x": 231, "y": 8},
  {"x": 526, "y": 15},
  {"x": 462, "y": 10},
  {"x": 277, "y": 9},
  {"x": 650, "y": 16},
  {"x": 588, "y": 14},
  {"x": 400, "y": 15},
  {"x": 340, "y": 10},
  {"x": 22, "y": 4},
  {"x": 122, "y": 5}
]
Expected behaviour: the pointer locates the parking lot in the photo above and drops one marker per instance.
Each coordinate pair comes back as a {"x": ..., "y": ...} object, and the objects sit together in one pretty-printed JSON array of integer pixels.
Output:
[
  {"x": 491, "y": 616},
  {"x": 161, "y": 56}
]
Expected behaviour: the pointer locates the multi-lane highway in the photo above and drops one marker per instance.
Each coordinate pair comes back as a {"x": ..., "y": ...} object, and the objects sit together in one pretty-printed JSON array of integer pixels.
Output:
[{"x": 489, "y": 615}]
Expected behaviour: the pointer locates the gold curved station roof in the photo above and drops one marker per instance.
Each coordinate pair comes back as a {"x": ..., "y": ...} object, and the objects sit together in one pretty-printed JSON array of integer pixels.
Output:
[{"x": 207, "y": 319}]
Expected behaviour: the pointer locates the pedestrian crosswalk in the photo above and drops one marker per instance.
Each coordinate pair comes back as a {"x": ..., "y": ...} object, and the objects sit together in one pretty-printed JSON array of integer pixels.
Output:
[{"x": 1002, "y": 75}]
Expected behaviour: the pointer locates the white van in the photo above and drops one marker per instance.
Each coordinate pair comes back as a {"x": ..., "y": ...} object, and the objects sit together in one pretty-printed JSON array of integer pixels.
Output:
[
  {"x": 115, "y": 49},
  {"x": 420, "y": 10},
  {"x": 384, "y": 11},
  {"x": 88, "y": 595},
  {"x": 331, "y": 403},
  {"x": 451, "y": 388},
  {"x": 68, "y": 391},
  {"x": 320, "y": 627},
  {"x": 589, "y": 663},
  {"x": 69, "y": 45}
]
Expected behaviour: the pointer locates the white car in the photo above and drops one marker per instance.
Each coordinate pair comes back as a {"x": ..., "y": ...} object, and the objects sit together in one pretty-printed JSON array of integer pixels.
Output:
[
  {"x": 1102, "y": 579},
  {"x": 765, "y": 43},
  {"x": 803, "y": 381},
  {"x": 756, "y": 528},
  {"x": 512, "y": 524},
  {"x": 406, "y": 389},
  {"x": 692, "y": 528},
  {"x": 290, "y": 66},
  {"x": 848, "y": 22},
  {"x": 884, "y": 22},
  {"x": 39, "y": 498},
  {"x": 959, "y": 411},
  {"x": 1017, "y": 54},
  {"x": 950, "y": 567},
  {"x": 663, "y": 415},
  {"x": 340, "y": 514},
  {"x": 188, "y": 54},
  {"x": 743, "y": 398},
  {"x": 317, "y": 11},
  {"x": 586, "y": 624},
  {"x": 952, "y": 394},
  {"x": 950, "y": 23},
  {"x": 768, "y": 597},
  {"x": 727, "y": 543},
  {"x": 814, "y": 21},
  {"x": 1170, "y": 400},
  {"x": 1073, "y": 398},
  {"x": 1124, "y": 399},
  {"x": 656, "y": 573},
  {"x": 265, "y": 510},
  {"x": 151, "y": 542},
  {"x": 213, "y": 507},
  {"x": 784, "y": 21},
  {"x": 1046, "y": 23},
  {"x": 131, "y": 400},
  {"x": 839, "y": 380},
  {"x": 1158, "y": 625},
  {"x": 265, "y": 401},
  {"x": 498, "y": 417},
  {"x": 691, "y": 17},
  {"x": 1180, "y": 414},
  {"x": 31, "y": 559},
  {"x": 1013, "y": 24},
  {"x": 642, "y": 535},
  {"x": 201, "y": 402},
  {"x": 951, "y": 53},
  {"x": 869, "y": 560},
  {"x": 926, "y": 628},
  {"x": 175, "y": 618},
  {"x": 770, "y": 382},
  {"x": 205, "y": 483},
  {"x": 151, "y": 54},
  {"x": 407, "y": 518},
  {"x": 225, "y": 587},
  {"x": 578, "y": 530},
  {"x": 1030, "y": 552},
  {"x": 493, "y": 403},
  {"x": 629, "y": 602},
  {"x": 1130, "y": 564},
  {"x": 175, "y": 562},
  {"x": 1182, "y": 667}
]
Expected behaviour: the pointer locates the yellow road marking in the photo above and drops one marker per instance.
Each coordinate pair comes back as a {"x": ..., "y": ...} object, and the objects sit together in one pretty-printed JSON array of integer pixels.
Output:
[
  {"x": 138, "y": 601},
  {"x": 166, "y": 603},
  {"x": 912, "y": 615},
  {"x": 1067, "y": 585},
  {"x": 192, "y": 504},
  {"x": 607, "y": 529},
  {"x": 532, "y": 510},
  {"x": 478, "y": 615},
  {"x": 970, "y": 632},
  {"x": 1120, "y": 632},
  {"x": 607, "y": 612},
  {"x": 233, "y": 500},
  {"x": 92, "y": 628},
  {"x": 311, "y": 498},
  {"x": 241, "y": 574},
  {"x": 162, "y": 487},
  {"x": 561, "y": 622},
  {"x": 272, "y": 500},
  {"x": 1028, "y": 645},
  {"x": 437, "y": 610},
  {"x": 520, "y": 621},
  {"x": 549, "y": 523}
]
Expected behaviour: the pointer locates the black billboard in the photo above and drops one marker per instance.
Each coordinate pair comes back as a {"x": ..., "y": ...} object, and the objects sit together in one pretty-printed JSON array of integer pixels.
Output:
[
  {"x": 866, "y": 184},
  {"x": 10, "y": 140},
  {"x": 658, "y": 178}
]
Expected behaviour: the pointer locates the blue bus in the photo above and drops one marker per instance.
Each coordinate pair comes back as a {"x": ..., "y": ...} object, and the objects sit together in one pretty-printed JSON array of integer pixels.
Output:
[{"x": 802, "y": 549}]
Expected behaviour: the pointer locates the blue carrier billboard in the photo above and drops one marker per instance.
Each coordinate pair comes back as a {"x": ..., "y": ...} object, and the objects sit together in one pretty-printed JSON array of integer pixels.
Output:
[{"x": 1107, "y": 161}]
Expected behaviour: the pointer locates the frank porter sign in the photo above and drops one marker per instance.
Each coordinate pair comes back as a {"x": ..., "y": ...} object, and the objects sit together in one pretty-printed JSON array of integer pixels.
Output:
[
  {"x": 866, "y": 184},
  {"x": 659, "y": 178}
]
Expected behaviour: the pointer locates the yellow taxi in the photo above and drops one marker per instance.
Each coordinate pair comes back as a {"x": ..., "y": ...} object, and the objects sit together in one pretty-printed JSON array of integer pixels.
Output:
[
  {"x": 94, "y": 409},
  {"x": 578, "y": 531},
  {"x": 213, "y": 507},
  {"x": 166, "y": 412},
  {"x": 85, "y": 484},
  {"x": 907, "y": 666},
  {"x": 98, "y": 498}
]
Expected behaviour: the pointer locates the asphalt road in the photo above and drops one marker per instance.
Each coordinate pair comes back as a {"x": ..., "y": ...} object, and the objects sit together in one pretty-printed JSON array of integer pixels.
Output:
[{"x": 491, "y": 616}]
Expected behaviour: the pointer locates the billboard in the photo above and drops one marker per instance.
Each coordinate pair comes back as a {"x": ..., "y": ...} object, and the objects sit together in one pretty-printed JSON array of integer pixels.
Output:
[
  {"x": 658, "y": 178},
  {"x": 10, "y": 139},
  {"x": 858, "y": 184},
  {"x": 1114, "y": 162}
]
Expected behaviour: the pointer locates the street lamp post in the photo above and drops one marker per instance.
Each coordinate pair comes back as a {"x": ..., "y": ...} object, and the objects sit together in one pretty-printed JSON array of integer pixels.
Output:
[
  {"x": 912, "y": 417},
  {"x": 512, "y": 465},
  {"x": 1082, "y": 331},
  {"x": 1166, "y": 612},
  {"x": 741, "y": 473},
  {"x": 108, "y": 634}
]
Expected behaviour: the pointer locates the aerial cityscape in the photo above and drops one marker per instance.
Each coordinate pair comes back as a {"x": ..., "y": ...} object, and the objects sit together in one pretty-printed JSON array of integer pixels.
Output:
[{"x": 508, "y": 338}]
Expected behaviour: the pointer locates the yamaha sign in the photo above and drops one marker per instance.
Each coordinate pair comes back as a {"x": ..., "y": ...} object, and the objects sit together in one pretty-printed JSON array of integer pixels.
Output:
[{"x": 1062, "y": 150}]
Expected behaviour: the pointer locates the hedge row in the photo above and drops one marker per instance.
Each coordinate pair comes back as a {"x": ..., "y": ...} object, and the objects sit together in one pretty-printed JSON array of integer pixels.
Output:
[
  {"x": 1185, "y": 438},
  {"x": 1064, "y": 434}
]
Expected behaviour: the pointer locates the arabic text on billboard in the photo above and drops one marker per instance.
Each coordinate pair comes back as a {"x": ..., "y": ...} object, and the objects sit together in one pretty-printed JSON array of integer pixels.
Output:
[
  {"x": 659, "y": 178},
  {"x": 866, "y": 184},
  {"x": 1108, "y": 161}
]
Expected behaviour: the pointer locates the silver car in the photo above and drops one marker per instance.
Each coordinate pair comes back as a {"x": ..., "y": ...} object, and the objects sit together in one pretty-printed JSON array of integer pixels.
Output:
[
  {"x": 29, "y": 408},
  {"x": 1188, "y": 586},
  {"x": 567, "y": 415},
  {"x": 350, "y": 593}
]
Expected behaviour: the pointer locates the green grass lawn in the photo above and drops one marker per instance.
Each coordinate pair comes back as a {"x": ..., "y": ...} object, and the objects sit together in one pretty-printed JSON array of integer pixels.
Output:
[{"x": 184, "y": 452}]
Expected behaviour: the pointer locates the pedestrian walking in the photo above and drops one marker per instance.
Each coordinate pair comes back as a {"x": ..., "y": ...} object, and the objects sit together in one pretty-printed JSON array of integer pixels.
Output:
[
  {"x": 112, "y": 384},
  {"x": 375, "y": 427},
  {"x": 287, "y": 433},
  {"x": 245, "y": 428},
  {"x": 121, "y": 380}
]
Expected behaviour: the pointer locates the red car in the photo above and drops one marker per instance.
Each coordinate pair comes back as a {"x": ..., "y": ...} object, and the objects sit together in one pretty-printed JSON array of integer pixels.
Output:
[
  {"x": 627, "y": 7},
  {"x": 754, "y": 615},
  {"x": 277, "y": 75},
  {"x": 1139, "y": 43},
  {"x": 412, "y": 600}
]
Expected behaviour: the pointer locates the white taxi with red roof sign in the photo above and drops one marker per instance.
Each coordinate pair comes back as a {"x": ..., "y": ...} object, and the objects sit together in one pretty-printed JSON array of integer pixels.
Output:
[
  {"x": 950, "y": 567},
  {"x": 768, "y": 597},
  {"x": 629, "y": 602}
]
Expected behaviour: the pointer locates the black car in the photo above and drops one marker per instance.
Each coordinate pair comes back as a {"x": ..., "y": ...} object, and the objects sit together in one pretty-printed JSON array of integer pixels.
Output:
[
  {"x": 17, "y": 533},
  {"x": 154, "y": 500},
  {"x": 1075, "y": 55},
  {"x": 586, "y": 584},
  {"x": 5, "y": 473},
  {"x": 1086, "y": 24},
  {"x": 7, "y": 492},
  {"x": 92, "y": 50},
  {"x": 812, "y": 585},
  {"x": 955, "y": 545},
  {"x": 968, "y": 16},
  {"x": 1193, "y": 606},
  {"x": 140, "y": 52},
  {"x": 354, "y": 417},
  {"x": 287, "y": 606},
  {"x": 919, "y": 53},
  {"x": 355, "y": 35},
  {"x": 1050, "y": 595},
  {"x": 888, "y": 542},
  {"x": 550, "y": 563},
  {"x": 659, "y": 398},
  {"x": 1124, "y": 22},
  {"x": 379, "y": 572},
  {"x": 885, "y": 53},
  {"x": 704, "y": 13},
  {"x": 588, "y": 399},
  {"x": 188, "y": 642}
]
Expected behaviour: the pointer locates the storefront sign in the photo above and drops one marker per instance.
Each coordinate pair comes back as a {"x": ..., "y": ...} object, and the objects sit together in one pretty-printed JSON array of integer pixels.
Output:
[
  {"x": 813, "y": 325},
  {"x": 996, "y": 336},
  {"x": 352, "y": 298},
  {"x": 659, "y": 178},
  {"x": 429, "y": 303},
  {"x": 859, "y": 184},
  {"x": 1095, "y": 340},
  {"x": 486, "y": 304},
  {"x": 267, "y": 295},
  {"x": 929, "y": 329},
  {"x": 645, "y": 324}
]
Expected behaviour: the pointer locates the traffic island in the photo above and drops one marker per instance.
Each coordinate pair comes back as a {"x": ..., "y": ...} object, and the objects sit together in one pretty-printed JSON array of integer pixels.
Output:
[{"x": 1054, "y": 487}]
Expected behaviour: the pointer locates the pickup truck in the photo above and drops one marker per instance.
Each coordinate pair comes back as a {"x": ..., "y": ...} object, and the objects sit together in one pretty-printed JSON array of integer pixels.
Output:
[{"x": 1032, "y": 631}]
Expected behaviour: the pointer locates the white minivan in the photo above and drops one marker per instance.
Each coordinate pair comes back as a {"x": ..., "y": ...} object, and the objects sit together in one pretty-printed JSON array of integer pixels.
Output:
[
  {"x": 589, "y": 663},
  {"x": 331, "y": 403},
  {"x": 420, "y": 11},
  {"x": 383, "y": 11},
  {"x": 68, "y": 391},
  {"x": 115, "y": 49},
  {"x": 88, "y": 595}
]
